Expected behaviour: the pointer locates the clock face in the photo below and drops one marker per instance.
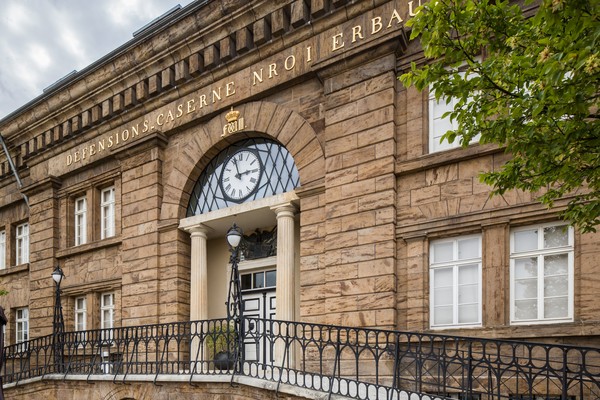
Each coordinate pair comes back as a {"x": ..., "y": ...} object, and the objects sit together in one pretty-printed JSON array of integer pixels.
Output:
[{"x": 241, "y": 174}]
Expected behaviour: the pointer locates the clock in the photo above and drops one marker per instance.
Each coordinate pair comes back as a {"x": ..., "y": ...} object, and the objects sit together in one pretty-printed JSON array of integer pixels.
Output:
[{"x": 241, "y": 175}]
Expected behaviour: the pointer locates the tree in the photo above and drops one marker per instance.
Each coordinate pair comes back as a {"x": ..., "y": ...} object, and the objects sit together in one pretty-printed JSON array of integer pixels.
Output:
[{"x": 525, "y": 77}]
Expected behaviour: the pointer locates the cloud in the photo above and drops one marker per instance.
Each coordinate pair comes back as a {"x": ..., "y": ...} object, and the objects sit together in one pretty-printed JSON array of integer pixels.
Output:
[{"x": 43, "y": 40}]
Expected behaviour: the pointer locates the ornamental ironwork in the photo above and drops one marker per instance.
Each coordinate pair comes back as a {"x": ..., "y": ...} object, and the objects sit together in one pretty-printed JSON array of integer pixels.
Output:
[{"x": 248, "y": 170}]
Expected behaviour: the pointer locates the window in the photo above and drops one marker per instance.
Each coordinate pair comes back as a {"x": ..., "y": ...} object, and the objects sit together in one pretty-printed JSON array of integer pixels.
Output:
[
  {"x": 107, "y": 211},
  {"x": 22, "y": 327},
  {"x": 107, "y": 314},
  {"x": 259, "y": 280},
  {"x": 80, "y": 314},
  {"x": 80, "y": 221},
  {"x": 22, "y": 244},
  {"x": 541, "y": 270},
  {"x": 2, "y": 249},
  {"x": 439, "y": 125},
  {"x": 455, "y": 282}
]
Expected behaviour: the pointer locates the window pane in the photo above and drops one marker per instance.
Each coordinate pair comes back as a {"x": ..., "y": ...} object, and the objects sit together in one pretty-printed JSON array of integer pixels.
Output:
[
  {"x": 271, "y": 278},
  {"x": 468, "y": 248},
  {"x": 468, "y": 274},
  {"x": 443, "y": 315},
  {"x": 525, "y": 240},
  {"x": 556, "y": 236},
  {"x": 259, "y": 280},
  {"x": 80, "y": 303},
  {"x": 442, "y": 277},
  {"x": 526, "y": 289},
  {"x": 556, "y": 265},
  {"x": 556, "y": 307},
  {"x": 556, "y": 286},
  {"x": 526, "y": 267},
  {"x": 468, "y": 294},
  {"x": 246, "y": 281},
  {"x": 443, "y": 296},
  {"x": 107, "y": 300},
  {"x": 442, "y": 252},
  {"x": 468, "y": 313},
  {"x": 106, "y": 319},
  {"x": 526, "y": 309}
]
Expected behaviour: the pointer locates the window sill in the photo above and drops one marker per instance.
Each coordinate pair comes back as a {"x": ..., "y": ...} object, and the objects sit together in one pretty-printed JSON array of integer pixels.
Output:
[
  {"x": 14, "y": 269},
  {"x": 440, "y": 158},
  {"x": 84, "y": 248},
  {"x": 455, "y": 327}
]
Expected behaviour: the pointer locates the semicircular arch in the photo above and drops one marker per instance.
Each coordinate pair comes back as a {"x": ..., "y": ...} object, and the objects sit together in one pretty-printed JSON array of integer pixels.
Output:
[{"x": 193, "y": 150}]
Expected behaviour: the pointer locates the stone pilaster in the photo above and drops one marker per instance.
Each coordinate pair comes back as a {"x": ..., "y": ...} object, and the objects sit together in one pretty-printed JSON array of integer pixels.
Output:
[
  {"x": 43, "y": 244},
  {"x": 141, "y": 196}
]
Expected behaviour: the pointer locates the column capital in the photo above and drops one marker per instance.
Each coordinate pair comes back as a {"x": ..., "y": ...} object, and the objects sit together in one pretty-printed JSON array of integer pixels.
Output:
[
  {"x": 198, "y": 230},
  {"x": 284, "y": 210}
]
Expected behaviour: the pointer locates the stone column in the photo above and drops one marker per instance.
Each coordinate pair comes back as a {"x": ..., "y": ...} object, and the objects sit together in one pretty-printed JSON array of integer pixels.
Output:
[
  {"x": 285, "y": 262},
  {"x": 199, "y": 274},
  {"x": 198, "y": 287},
  {"x": 285, "y": 295}
]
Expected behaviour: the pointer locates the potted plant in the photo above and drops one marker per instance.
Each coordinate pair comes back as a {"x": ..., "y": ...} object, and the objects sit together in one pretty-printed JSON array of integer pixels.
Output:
[{"x": 220, "y": 345}]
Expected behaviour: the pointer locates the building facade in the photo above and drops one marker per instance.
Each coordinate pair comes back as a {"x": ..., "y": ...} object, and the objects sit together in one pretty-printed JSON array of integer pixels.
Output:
[{"x": 286, "y": 118}]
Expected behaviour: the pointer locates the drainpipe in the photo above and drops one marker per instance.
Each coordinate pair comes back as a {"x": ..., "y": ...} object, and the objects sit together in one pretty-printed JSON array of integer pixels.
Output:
[{"x": 14, "y": 170}]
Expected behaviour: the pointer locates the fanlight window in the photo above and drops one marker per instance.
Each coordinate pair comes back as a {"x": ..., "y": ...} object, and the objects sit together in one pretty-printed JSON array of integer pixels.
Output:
[{"x": 277, "y": 173}]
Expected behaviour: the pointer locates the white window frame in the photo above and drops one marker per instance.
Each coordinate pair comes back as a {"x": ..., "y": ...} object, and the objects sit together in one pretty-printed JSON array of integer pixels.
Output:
[
  {"x": 435, "y": 136},
  {"x": 22, "y": 243},
  {"x": 80, "y": 313},
  {"x": 455, "y": 264},
  {"x": 80, "y": 221},
  {"x": 107, "y": 213},
  {"x": 22, "y": 327},
  {"x": 3, "y": 249},
  {"x": 540, "y": 253},
  {"x": 110, "y": 309}
]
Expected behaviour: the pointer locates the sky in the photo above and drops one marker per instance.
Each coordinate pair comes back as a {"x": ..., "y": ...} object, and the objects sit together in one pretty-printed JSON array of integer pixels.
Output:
[{"x": 41, "y": 41}]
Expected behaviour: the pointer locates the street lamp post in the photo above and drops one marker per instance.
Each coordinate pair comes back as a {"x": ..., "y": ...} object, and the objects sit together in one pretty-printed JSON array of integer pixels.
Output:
[
  {"x": 58, "y": 324},
  {"x": 234, "y": 298}
]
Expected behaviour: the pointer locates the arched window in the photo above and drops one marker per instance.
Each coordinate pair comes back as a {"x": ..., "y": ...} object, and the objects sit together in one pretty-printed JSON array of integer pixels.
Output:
[{"x": 248, "y": 170}]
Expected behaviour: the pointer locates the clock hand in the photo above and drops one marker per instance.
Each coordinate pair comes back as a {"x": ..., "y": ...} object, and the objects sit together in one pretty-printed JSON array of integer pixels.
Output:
[
  {"x": 238, "y": 175},
  {"x": 249, "y": 171}
]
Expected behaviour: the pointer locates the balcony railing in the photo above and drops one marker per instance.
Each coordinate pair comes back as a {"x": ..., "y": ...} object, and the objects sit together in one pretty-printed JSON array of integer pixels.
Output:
[{"x": 353, "y": 362}]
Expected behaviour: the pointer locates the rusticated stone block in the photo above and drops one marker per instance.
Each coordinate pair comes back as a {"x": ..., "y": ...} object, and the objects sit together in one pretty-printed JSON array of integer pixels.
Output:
[
  {"x": 75, "y": 125},
  {"x": 182, "y": 71},
  {"x": 141, "y": 91},
  {"x": 262, "y": 31},
  {"x": 243, "y": 40},
  {"x": 227, "y": 48},
  {"x": 107, "y": 108},
  {"x": 117, "y": 102},
  {"x": 196, "y": 63},
  {"x": 280, "y": 22},
  {"x": 167, "y": 78},
  {"x": 319, "y": 7},
  {"x": 86, "y": 119},
  {"x": 300, "y": 14},
  {"x": 154, "y": 84},
  {"x": 96, "y": 113},
  {"x": 211, "y": 56},
  {"x": 129, "y": 97},
  {"x": 64, "y": 130}
]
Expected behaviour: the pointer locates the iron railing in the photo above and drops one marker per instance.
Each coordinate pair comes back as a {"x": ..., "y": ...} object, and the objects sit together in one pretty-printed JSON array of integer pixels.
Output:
[{"x": 354, "y": 362}]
